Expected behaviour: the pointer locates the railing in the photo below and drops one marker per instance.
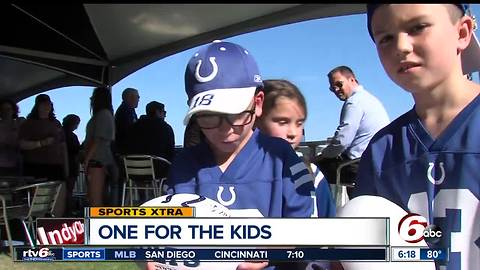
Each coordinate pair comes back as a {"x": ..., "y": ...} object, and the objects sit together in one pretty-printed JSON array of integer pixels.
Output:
[{"x": 312, "y": 148}]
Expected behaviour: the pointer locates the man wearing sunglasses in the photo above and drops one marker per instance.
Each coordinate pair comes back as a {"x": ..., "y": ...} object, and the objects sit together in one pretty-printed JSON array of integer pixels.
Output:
[{"x": 361, "y": 117}]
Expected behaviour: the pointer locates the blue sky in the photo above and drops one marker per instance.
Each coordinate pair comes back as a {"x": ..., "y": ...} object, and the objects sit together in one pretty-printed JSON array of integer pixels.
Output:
[{"x": 302, "y": 53}]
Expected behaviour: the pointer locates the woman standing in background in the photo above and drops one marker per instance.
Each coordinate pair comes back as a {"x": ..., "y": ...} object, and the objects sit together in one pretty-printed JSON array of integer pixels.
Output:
[
  {"x": 100, "y": 133},
  {"x": 43, "y": 144}
]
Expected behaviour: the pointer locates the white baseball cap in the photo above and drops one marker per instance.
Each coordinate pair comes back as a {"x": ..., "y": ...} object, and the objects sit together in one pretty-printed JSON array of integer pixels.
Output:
[{"x": 222, "y": 77}]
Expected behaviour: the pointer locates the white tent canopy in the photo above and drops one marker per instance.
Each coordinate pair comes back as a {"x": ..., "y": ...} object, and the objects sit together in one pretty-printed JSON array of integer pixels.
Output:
[{"x": 47, "y": 46}]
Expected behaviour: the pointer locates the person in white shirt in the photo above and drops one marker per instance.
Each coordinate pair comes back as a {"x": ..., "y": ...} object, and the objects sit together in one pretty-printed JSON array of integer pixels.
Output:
[{"x": 361, "y": 117}]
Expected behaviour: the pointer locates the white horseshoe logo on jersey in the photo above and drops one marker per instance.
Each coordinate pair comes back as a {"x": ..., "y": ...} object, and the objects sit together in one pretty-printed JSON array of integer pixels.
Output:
[
  {"x": 232, "y": 199},
  {"x": 429, "y": 173},
  {"x": 209, "y": 77}
]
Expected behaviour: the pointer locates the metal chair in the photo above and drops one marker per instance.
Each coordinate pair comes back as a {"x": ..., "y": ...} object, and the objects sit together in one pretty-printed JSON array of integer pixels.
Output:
[
  {"x": 141, "y": 175},
  {"x": 341, "y": 196},
  {"x": 5, "y": 216},
  {"x": 38, "y": 200}
]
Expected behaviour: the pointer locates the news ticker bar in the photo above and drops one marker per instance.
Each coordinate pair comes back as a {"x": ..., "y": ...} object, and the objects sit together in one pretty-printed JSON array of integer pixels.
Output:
[
  {"x": 398, "y": 254},
  {"x": 199, "y": 254}
]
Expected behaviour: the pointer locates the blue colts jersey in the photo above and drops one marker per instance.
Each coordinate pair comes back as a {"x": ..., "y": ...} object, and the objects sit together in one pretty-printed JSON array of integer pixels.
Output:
[
  {"x": 265, "y": 179},
  {"x": 436, "y": 178}
]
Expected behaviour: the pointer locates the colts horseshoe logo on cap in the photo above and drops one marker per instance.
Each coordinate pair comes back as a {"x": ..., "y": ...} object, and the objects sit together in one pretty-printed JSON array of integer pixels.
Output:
[{"x": 209, "y": 77}]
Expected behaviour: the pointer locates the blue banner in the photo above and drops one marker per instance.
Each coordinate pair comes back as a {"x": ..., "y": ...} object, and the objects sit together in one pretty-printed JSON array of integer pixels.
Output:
[
  {"x": 437, "y": 254},
  {"x": 198, "y": 254}
]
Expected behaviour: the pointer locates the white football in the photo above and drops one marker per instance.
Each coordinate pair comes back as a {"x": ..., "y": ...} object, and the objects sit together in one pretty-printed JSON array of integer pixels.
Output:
[
  {"x": 204, "y": 207},
  {"x": 374, "y": 206}
]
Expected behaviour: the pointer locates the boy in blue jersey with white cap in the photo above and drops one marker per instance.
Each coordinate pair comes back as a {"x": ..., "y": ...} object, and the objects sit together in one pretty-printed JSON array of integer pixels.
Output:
[
  {"x": 252, "y": 174},
  {"x": 427, "y": 160}
]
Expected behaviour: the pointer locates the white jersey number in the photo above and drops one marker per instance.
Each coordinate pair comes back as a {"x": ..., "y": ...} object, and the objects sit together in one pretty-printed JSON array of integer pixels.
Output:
[{"x": 469, "y": 206}]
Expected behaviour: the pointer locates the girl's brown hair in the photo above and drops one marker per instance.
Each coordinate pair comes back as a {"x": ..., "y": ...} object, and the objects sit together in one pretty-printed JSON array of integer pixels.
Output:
[{"x": 275, "y": 89}]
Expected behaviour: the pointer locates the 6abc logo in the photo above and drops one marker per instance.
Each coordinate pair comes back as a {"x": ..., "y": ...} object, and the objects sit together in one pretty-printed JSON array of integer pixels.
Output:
[{"x": 414, "y": 228}]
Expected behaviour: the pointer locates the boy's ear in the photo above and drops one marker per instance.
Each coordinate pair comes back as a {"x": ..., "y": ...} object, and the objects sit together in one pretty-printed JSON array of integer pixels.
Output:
[
  {"x": 258, "y": 101},
  {"x": 465, "y": 32}
]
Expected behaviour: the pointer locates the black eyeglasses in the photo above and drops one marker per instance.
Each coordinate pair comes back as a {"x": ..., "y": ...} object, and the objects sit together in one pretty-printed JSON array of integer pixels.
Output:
[
  {"x": 336, "y": 86},
  {"x": 210, "y": 121}
]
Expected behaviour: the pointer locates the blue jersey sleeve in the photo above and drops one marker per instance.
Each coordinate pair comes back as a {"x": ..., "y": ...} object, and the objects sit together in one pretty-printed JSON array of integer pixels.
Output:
[{"x": 297, "y": 187}]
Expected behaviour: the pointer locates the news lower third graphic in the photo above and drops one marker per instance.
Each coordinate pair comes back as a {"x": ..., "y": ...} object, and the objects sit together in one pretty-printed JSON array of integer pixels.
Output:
[
  {"x": 414, "y": 228},
  {"x": 41, "y": 254},
  {"x": 132, "y": 234},
  {"x": 400, "y": 254},
  {"x": 152, "y": 212},
  {"x": 60, "y": 231},
  {"x": 169, "y": 254},
  {"x": 235, "y": 231}
]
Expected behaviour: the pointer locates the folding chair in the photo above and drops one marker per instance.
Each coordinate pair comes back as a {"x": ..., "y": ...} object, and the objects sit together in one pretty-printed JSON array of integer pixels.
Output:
[
  {"x": 341, "y": 195},
  {"x": 141, "y": 175},
  {"x": 4, "y": 217},
  {"x": 38, "y": 200}
]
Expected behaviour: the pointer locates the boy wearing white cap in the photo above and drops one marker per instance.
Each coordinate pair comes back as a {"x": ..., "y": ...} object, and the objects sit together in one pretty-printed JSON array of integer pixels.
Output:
[
  {"x": 427, "y": 160},
  {"x": 250, "y": 173}
]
